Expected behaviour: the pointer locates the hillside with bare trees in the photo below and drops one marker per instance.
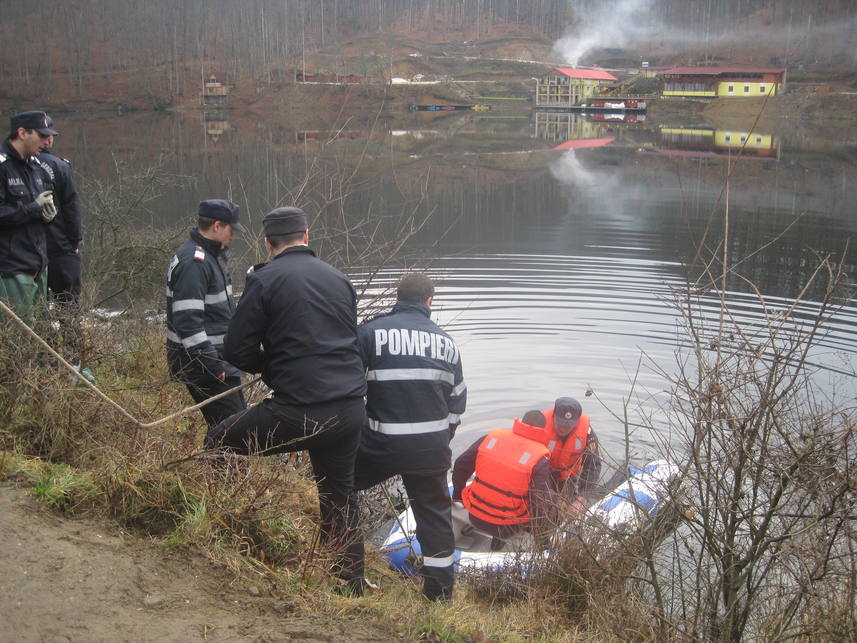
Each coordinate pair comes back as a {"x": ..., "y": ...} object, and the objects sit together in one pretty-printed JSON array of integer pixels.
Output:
[{"x": 157, "y": 54}]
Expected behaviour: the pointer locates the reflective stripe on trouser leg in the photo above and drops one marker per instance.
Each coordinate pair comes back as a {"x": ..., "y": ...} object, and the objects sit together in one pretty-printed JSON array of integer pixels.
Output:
[{"x": 429, "y": 495}]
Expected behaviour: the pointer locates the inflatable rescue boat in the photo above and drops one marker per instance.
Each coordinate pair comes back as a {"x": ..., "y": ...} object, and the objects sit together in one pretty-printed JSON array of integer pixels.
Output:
[{"x": 629, "y": 504}]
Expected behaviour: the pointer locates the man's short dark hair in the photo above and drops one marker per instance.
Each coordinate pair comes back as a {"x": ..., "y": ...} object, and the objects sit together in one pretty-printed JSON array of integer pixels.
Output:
[
  {"x": 535, "y": 418},
  {"x": 278, "y": 240},
  {"x": 204, "y": 223},
  {"x": 415, "y": 286}
]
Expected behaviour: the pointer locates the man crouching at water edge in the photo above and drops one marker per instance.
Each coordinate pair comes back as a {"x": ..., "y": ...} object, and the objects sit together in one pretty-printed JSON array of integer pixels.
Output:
[
  {"x": 199, "y": 307},
  {"x": 296, "y": 324},
  {"x": 512, "y": 489}
]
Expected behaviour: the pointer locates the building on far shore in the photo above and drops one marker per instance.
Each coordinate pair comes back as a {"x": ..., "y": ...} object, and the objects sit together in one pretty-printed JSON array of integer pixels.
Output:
[
  {"x": 214, "y": 92},
  {"x": 715, "y": 82},
  {"x": 566, "y": 87}
]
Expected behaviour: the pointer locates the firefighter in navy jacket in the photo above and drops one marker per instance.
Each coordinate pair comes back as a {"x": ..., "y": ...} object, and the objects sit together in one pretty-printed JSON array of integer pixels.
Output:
[
  {"x": 26, "y": 206},
  {"x": 416, "y": 393},
  {"x": 199, "y": 307}
]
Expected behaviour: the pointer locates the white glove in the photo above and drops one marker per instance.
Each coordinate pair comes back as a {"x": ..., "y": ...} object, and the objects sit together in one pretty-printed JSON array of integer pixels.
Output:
[{"x": 46, "y": 202}]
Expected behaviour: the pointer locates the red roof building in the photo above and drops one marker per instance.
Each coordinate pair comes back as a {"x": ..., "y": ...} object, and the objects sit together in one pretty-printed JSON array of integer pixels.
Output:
[
  {"x": 567, "y": 87},
  {"x": 713, "y": 82},
  {"x": 587, "y": 74}
]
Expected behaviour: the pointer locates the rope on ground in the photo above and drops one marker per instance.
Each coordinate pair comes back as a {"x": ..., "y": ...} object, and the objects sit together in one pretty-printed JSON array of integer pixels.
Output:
[{"x": 92, "y": 387}]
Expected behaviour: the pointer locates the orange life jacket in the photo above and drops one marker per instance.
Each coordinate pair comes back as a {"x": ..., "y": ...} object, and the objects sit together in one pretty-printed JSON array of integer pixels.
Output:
[
  {"x": 567, "y": 456},
  {"x": 499, "y": 493},
  {"x": 534, "y": 433}
]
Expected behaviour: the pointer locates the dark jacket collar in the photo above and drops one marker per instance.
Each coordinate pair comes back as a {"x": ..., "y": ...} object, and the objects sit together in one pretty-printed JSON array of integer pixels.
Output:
[
  {"x": 294, "y": 250},
  {"x": 411, "y": 306},
  {"x": 9, "y": 150},
  {"x": 209, "y": 245}
]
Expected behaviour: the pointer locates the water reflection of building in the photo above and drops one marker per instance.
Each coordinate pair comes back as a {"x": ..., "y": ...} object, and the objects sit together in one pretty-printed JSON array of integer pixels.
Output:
[
  {"x": 565, "y": 87},
  {"x": 216, "y": 125},
  {"x": 573, "y": 129},
  {"x": 701, "y": 141}
]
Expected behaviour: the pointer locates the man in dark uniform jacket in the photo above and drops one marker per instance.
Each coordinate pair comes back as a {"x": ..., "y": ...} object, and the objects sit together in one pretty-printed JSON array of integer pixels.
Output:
[
  {"x": 416, "y": 395},
  {"x": 296, "y": 324},
  {"x": 199, "y": 307},
  {"x": 26, "y": 206},
  {"x": 65, "y": 232}
]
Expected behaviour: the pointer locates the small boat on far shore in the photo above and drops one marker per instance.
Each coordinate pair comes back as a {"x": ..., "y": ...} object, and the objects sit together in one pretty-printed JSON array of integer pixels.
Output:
[{"x": 448, "y": 108}]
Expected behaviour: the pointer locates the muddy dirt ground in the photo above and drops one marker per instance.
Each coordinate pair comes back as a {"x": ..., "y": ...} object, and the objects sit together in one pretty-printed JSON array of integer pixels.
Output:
[{"x": 69, "y": 580}]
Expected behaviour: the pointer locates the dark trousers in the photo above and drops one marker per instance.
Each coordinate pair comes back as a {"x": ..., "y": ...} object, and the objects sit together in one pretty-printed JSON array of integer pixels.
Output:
[
  {"x": 498, "y": 531},
  {"x": 330, "y": 432},
  {"x": 217, "y": 411},
  {"x": 429, "y": 499},
  {"x": 64, "y": 278},
  {"x": 203, "y": 384}
]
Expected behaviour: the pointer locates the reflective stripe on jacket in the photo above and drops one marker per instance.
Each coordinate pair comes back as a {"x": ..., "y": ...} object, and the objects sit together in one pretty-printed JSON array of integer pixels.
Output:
[
  {"x": 416, "y": 389},
  {"x": 200, "y": 303},
  {"x": 499, "y": 493},
  {"x": 567, "y": 455}
]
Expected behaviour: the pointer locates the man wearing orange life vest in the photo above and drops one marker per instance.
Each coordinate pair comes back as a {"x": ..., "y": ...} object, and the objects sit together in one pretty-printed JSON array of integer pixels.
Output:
[
  {"x": 575, "y": 461},
  {"x": 512, "y": 489}
]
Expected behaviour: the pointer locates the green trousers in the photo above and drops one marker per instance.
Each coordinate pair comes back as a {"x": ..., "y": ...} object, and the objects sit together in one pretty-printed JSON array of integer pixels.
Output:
[{"x": 26, "y": 295}]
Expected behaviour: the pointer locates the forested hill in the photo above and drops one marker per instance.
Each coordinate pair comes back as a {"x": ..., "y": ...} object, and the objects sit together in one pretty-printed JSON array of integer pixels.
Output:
[{"x": 159, "y": 50}]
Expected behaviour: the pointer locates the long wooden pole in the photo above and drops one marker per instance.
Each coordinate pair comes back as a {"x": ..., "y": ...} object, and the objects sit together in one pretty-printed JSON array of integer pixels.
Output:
[{"x": 92, "y": 387}]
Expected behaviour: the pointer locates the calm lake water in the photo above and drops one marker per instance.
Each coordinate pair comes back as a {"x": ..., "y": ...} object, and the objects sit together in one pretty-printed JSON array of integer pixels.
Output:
[{"x": 559, "y": 241}]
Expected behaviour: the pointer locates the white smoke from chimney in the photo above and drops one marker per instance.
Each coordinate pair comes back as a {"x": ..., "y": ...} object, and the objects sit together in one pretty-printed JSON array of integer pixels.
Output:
[
  {"x": 625, "y": 23},
  {"x": 610, "y": 24}
]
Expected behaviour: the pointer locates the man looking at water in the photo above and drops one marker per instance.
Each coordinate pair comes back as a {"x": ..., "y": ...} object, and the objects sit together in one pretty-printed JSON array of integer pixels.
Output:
[
  {"x": 199, "y": 307},
  {"x": 26, "y": 206},
  {"x": 65, "y": 232},
  {"x": 575, "y": 459},
  {"x": 297, "y": 325},
  {"x": 416, "y": 394}
]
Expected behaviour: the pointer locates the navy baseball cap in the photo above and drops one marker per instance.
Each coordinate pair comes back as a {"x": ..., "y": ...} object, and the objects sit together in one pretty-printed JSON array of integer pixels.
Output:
[
  {"x": 566, "y": 412},
  {"x": 221, "y": 210},
  {"x": 36, "y": 120}
]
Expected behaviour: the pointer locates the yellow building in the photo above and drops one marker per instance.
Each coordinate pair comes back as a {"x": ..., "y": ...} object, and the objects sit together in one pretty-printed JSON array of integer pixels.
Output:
[
  {"x": 713, "y": 82},
  {"x": 566, "y": 87},
  {"x": 705, "y": 141}
]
